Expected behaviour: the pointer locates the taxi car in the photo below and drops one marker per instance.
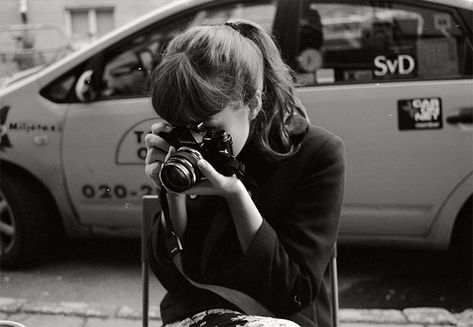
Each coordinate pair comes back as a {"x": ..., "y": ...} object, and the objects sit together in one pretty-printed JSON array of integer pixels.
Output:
[{"x": 392, "y": 78}]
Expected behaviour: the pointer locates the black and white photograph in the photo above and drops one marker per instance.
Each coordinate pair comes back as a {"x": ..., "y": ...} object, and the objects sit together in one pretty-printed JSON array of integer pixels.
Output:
[{"x": 253, "y": 163}]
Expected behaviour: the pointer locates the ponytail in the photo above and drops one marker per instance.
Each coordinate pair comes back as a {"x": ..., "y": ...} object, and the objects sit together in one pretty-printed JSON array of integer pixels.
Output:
[{"x": 271, "y": 128}]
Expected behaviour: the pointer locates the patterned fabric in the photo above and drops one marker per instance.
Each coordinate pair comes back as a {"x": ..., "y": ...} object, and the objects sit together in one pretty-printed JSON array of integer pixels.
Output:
[{"x": 230, "y": 318}]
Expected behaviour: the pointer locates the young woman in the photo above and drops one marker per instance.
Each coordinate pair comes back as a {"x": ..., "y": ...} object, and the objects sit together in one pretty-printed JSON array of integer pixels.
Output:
[{"x": 269, "y": 232}]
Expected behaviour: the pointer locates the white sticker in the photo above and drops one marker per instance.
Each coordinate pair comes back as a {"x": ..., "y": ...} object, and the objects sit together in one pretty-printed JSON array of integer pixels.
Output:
[
  {"x": 402, "y": 64},
  {"x": 326, "y": 75},
  {"x": 442, "y": 21},
  {"x": 305, "y": 79},
  {"x": 131, "y": 149}
]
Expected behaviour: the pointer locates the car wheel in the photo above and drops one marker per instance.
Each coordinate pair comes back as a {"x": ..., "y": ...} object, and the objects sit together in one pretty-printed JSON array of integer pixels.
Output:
[
  {"x": 25, "y": 228},
  {"x": 462, "y": 243}
]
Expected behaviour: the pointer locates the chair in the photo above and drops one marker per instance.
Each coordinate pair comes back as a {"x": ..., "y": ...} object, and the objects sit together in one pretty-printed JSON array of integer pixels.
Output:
[{"x": 152, "y": 206}]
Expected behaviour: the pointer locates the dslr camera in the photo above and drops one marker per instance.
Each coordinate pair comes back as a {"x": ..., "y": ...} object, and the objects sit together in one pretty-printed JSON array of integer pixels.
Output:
[{"x": 180, "y": 172}]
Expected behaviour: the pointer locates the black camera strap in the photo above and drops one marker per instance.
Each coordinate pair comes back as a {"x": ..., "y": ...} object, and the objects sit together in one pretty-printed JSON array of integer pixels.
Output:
[
  {"x": 237, "y": 167},
  {"x": 174, "y": 247}
]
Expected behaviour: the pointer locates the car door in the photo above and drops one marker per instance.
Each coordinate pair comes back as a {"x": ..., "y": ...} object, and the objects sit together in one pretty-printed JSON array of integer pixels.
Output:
[
  {"x": 103, "y": 148},
  {"x": 390, "y": 77}
]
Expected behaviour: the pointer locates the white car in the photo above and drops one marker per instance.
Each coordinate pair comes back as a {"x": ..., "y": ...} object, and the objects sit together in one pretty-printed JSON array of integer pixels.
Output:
[{"x": 392, "y": 78}]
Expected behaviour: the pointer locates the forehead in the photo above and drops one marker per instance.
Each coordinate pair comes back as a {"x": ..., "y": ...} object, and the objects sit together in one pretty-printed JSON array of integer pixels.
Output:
[{"x": 227, "y": 115}]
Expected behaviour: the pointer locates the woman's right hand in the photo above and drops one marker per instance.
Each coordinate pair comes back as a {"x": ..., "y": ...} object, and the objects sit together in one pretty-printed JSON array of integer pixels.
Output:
[{"x": 158, "y": 150}]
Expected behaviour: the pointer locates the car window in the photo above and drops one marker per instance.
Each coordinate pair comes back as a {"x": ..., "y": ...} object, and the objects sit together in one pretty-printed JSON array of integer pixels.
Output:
[
  {"x": 60, "y": 89},
  {"x": 128, "y": 66},
  {"x": 358, "y": 42}
]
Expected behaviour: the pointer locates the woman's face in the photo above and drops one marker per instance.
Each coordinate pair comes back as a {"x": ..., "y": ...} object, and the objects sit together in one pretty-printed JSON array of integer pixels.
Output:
[{"x": 235, "y": 121}]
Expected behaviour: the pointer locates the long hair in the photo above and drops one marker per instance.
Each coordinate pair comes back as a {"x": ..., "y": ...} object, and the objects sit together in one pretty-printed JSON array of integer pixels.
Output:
[
  {"x": 203, "y": 70},
  {"x": 271, "y": 128}
]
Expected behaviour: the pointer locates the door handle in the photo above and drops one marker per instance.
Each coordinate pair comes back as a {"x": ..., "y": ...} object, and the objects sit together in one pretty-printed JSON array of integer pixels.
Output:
[{"x": 464, "y": 116}]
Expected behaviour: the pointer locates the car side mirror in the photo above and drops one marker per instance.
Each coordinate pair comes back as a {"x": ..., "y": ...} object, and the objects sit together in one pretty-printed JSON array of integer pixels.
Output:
[{"x": 84, "y": 89}]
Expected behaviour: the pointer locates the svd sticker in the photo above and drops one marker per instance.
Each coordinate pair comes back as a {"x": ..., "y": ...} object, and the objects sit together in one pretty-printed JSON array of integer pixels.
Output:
[
  {"x": 402, "y": 65},
  {"x": 420, "y": 113}
]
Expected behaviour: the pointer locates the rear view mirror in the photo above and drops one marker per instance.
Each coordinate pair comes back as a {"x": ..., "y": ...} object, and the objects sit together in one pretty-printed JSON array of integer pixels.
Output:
[{"x": 84, "y": 87}]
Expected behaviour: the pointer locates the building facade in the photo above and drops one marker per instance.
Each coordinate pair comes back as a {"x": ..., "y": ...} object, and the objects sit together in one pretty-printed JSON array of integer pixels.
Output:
[{"x": 35, "y": 32}]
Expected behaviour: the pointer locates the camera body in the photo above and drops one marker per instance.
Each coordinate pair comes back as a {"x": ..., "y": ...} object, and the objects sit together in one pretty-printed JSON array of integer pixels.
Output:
[{"x": 180, "y": 173}]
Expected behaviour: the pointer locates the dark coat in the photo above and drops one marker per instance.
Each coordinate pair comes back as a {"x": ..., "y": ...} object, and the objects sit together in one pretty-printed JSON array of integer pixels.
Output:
[{"x": 286, "y": 264}]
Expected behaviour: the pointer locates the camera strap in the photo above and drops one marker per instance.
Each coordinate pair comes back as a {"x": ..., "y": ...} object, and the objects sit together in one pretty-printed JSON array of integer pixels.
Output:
[
  {"x": 174, "y": 246},
  {"x": 237, "y": 167}
]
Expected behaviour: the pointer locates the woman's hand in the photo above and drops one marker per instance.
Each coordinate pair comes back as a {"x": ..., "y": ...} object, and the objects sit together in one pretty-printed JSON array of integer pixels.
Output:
[
  {"x": 245, "y": 214},
  {"x": 158, "y": 150},
  {"x": 216, "y": 183}
]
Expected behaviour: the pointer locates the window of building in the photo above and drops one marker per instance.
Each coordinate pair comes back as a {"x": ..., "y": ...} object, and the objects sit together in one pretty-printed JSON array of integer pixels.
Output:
[
  {"x": 358, "y": 42},
  {"x": 87, "y": 24}
]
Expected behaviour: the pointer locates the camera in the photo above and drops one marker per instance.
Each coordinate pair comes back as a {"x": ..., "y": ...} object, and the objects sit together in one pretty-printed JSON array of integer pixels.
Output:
[{"x": 180, "y": 172}]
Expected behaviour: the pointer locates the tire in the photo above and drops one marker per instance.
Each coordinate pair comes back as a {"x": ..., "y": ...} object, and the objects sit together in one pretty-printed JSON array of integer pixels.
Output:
[
  {"x": 461, "y": 246},
  {"x": 26, "y": 222}
]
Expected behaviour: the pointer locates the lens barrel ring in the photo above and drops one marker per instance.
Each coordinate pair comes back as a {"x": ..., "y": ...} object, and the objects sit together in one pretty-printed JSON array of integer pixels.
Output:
[{"x": 179, "y": 173}]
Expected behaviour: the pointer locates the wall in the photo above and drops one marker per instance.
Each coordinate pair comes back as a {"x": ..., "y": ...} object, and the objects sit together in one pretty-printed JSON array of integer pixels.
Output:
[{"x": 15, "y": 51}]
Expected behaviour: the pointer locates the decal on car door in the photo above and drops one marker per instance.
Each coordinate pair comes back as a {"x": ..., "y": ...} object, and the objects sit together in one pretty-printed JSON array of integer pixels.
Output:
[
  {"x": 4, "y": 140},
  {"x": 419, "y": 113},
  {"x": 131, "y": 149}
]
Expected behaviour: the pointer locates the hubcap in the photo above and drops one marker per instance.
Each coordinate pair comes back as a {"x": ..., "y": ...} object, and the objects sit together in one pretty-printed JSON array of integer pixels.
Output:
[{"x": 7, "y": 226}]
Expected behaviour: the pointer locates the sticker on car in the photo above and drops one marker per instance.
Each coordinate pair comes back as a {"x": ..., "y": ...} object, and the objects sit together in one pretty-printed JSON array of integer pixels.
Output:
[
  {"x": 420, "y": 113},
  {"x": 399, "y": 65},
  {"x": 131, "y": 149},
  {"x": 4, "y": 140}
]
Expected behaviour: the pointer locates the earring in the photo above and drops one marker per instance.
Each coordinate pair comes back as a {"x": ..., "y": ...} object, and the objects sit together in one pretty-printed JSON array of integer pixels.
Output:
[
  {"x": 255, "y": 105},
  {"x": 254, "y": 111}
]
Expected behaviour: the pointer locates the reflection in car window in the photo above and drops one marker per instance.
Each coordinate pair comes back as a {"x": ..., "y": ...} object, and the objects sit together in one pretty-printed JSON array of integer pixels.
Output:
[
  {"x": 126, "y": 71},
  {"x": 262, "y": 14},
  {"x": 349, "y": 43},
  {"x": 60, "y": 90}
]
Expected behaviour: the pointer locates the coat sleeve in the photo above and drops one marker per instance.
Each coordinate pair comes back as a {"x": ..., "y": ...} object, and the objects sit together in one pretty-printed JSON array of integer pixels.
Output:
[{"x": 284, "y": 267}]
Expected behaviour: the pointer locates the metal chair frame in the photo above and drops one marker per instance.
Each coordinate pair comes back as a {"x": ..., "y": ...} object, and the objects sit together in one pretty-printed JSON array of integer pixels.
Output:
[{"x": 151, "y": 206}]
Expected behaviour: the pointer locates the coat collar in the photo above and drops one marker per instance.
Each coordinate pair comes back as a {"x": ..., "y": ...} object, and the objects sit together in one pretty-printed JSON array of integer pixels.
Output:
[{"x": 259, "y": 165}]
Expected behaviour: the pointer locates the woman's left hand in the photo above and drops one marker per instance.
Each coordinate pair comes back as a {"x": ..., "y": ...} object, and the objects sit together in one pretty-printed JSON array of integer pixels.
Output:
[
  {"x": 246, "y": 217},
  {"x": 216, "y": 183}
]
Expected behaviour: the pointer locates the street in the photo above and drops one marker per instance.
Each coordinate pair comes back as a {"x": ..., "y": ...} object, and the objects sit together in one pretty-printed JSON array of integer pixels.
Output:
[{"x": 107, "y": 272}]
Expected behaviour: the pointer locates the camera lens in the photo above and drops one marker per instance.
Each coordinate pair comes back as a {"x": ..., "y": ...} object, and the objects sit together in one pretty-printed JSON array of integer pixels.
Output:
[{"x": 179, "y": 173}]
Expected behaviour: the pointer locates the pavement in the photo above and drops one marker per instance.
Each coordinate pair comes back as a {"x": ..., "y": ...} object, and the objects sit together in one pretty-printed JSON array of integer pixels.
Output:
[{"x": 80, "y": 314}]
